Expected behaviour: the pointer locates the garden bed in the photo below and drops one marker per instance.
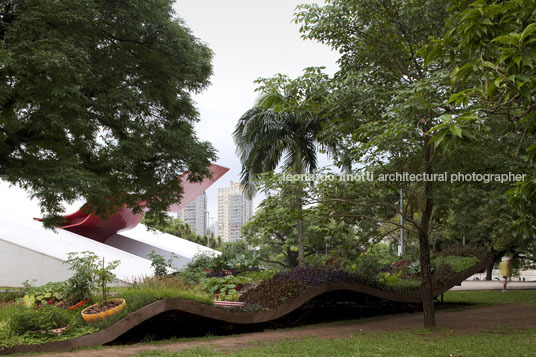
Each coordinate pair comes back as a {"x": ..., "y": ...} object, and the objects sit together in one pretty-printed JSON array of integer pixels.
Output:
[{"x": 121, "y": 324}]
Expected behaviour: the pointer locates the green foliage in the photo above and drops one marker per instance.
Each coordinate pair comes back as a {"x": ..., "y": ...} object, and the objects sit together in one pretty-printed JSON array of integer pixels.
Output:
[
  {"x": 180, "y": 229},
  {"x": 95, "y": 102},
  {"x": 82, "y": 282},
  {"x": 234, "y": 256},
  {"x": 458, "y": 264},
  {"x": 226, "y": 287},
  {"x": 44, "y": 295},
  {"x": 257, "y": 276},
  {"x": 273, "y": 227},
  {"x": 152, "y": 289},
  {"x": 368, "y": 264},
  {"x": 387, "y": 278},
  {"x": 29, "y": 320},
  {"x": 490, "y": 46},
  {"x": 284, "y": 123},
  {"x": 160, "y": 264},
  {"x": 202, "y": 261},
  {"x": 9, "y": 295}
]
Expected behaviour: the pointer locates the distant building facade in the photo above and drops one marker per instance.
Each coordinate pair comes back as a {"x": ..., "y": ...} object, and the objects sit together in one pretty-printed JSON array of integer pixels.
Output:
[
  {"x": 234, "y": 210},
  {"x": 195, "y": 214}
]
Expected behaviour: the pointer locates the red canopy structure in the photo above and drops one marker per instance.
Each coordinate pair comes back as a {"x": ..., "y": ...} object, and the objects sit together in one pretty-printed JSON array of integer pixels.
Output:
[{"x": 99, "y": 229}]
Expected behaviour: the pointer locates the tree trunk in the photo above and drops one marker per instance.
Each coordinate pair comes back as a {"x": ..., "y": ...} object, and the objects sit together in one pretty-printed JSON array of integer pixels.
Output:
[
  {"x": 424, "y": 244},
  {"x": 489, "y": 270},
  {"x": 426, "y": 283},
  {"x": 301, "y": 255},
  {"x": 299, "y": 215}
]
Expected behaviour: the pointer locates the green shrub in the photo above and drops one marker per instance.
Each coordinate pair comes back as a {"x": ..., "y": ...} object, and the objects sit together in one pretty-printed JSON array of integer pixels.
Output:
[
  {"x": 457, "y": 263},
  {"x": 202, "y": 261},
  {"x": 82, "y": 282},
  {"x": 442, "y": 274},
  {"x": 159, "y": 264},
  {"x": 10, "y": 295},
  {"x": 234, "y": 256},
  {"x": 367, "y": 266},
  {"x": 257, "y": 276},
  {"x": 5, "y": 335},
  {"x": 29, "y": 320},
  {"x": 226, "y": 287},
  {"x": 192, "y": 278},
  {"x": 46, "y": 294}
]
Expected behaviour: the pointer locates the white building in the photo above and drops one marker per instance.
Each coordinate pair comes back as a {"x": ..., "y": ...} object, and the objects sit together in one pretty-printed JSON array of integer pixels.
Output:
[
  {"x": 234, "y": 210},
  {"x": 195, "y": 214},
  {"x": 29, "y": 252}
]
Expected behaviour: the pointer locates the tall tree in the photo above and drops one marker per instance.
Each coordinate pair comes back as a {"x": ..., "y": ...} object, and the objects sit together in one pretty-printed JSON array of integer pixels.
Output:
[
  {"x": 283, "y": 122},
  {"x": 95, "y": 102},
  {"x": 384, "y": 101}
]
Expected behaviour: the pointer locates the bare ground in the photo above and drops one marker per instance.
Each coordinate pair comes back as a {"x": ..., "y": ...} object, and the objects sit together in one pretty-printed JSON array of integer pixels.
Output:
[{"x": 465, "y": 321}]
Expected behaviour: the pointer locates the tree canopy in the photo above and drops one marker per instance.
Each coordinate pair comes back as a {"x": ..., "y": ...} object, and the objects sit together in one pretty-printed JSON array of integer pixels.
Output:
[
  {"x": 95, "y": 102},
  {"x": 490, "y": 49}
]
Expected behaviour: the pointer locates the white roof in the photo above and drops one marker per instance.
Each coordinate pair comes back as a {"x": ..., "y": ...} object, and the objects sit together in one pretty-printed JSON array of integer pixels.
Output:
[
  {"x": 167, "y": 242},
  {"x": 57, "y": 244}
]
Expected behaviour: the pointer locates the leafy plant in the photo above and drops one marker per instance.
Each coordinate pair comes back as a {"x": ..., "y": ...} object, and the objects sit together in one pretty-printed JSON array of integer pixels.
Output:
[
  {"x": 226, "y": 286},
  {"x": 44, "y": 295},
  {"x": 387, "y": 278},
  {"x": 160, "y": 264},
  {"x": 193, "y": 278},
  {"x": 235, "y": 256},
  {"x": 243, "y": 262},
  {"x": 82, "y": 282},
  {"x": 415, "y": 267},
  {"x": 202, "y": 261},
  {"x": 28, "y": 320}
]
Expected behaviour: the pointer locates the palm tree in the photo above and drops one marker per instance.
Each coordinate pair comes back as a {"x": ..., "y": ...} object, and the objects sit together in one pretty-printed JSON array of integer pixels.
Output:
[{"x": 278, "y": 126}]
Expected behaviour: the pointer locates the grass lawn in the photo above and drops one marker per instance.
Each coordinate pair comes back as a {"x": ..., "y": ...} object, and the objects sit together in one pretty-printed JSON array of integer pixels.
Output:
[
  {"x": 416, "y": 342},
  {"x": 500, "y": 341},
  {"x": 491, "y": 297}
]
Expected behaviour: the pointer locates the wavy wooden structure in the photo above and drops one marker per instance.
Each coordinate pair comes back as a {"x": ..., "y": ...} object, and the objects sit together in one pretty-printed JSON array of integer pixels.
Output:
[{"x": 114, "y": 331}]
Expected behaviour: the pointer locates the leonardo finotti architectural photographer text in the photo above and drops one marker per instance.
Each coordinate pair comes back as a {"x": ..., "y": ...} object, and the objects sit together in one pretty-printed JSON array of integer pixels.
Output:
[{"x": 408, "y": 177}]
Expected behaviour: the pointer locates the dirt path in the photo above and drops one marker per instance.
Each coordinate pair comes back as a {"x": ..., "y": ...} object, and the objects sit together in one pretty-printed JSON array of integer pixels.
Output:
[{"x": 461, "y": 321}]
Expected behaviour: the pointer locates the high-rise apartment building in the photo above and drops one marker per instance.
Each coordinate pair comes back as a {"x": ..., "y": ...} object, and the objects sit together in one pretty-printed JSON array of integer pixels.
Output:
[
  {"x": 234, "y": 210},
  {"x": 195, "y": 214}
]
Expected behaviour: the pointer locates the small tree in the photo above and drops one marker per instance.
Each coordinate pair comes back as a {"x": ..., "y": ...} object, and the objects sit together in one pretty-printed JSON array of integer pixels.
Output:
[{"x": 104, "y": 276}]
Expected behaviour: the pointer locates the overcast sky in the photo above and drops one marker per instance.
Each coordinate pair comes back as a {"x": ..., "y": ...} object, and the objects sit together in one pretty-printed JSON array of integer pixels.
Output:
[{"x": 250, "y": 39}]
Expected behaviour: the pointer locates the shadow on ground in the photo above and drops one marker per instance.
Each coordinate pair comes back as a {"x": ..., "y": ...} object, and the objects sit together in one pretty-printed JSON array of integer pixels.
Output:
[{"x": 329, "y": 307}]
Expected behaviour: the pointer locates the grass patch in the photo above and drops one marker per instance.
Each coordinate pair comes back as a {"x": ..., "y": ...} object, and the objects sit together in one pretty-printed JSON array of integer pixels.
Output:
[
  {"x": 491, "y": 297},
  {"x": 415, "y": 342}
]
